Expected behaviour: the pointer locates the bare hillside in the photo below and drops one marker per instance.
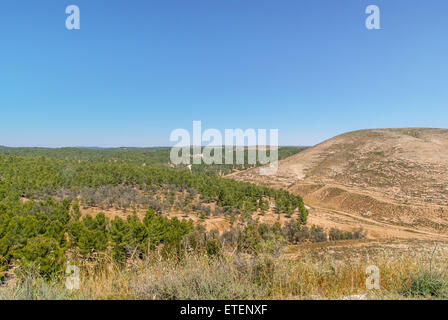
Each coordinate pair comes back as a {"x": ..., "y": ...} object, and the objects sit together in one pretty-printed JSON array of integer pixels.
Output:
[{"x": 394, "y": 175}]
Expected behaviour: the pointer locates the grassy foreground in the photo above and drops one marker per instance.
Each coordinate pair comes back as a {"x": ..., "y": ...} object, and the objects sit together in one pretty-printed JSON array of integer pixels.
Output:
[{"x": 242, "y": 276}]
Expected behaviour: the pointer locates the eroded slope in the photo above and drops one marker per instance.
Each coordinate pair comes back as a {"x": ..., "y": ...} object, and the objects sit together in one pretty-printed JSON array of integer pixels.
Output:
[{"x": 393, "y": 175}]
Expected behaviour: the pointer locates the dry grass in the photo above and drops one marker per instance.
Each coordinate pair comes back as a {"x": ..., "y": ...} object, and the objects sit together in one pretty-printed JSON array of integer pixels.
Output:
[{"x": 242, "y": 276}]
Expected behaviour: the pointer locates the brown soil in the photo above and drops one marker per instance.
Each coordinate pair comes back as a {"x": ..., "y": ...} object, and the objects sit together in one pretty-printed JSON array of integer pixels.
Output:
[{"x": 394, "y": 178}]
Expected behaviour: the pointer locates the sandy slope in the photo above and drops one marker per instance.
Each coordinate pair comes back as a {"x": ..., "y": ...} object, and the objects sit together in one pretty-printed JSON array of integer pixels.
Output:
[{"x": 394, "y": 176}]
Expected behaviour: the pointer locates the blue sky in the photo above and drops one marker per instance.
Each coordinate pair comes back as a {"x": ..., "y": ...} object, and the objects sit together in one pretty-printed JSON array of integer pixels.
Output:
[{"x": 136, "y": 70}]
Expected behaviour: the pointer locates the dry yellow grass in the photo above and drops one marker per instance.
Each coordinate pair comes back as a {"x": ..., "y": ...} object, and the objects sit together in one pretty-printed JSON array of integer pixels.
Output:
[{"x": 241, "y": 276}]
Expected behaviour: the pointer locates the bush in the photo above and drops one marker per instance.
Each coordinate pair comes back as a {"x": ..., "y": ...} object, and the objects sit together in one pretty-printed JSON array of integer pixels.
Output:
[
  {"x": 56, "y": 231},
  {"x": 303, "y": 234},
  {"x": 74, "y": 230},
  {"x": 231, "y": 237},
  {"x": 91, "y": 241},
  {"x": 303, "y": 214},
  {"x": 290, "y": 230},
  {"x": 263, "y": 271},
  {"x": 336, "y": 234},
  {"x": 4, "y": 257},
  {"x": 318, "y": 234},
  {"x": 213, "y": 247},
  {"x": 136, "y": 237},
  {"x": 42, "y": 253},
  {"x": 117, "y": 231},
  {"x": 426, "y": 283},
  {"x": 19, "y": 230},
  {"x": 4, "y": 249},
  {"x": 250, "y": 239}
]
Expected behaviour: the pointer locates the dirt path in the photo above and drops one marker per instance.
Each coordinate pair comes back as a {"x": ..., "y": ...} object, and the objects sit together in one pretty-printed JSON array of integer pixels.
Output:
[{"x": 375, "y": 229}]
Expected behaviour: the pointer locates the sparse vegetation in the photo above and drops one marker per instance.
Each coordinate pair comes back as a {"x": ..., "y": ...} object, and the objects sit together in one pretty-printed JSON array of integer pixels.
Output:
[
  {"x": 398, "y": 175},
  {"x": 44, "y": 227},
  {"x": 198, "y": 275}
]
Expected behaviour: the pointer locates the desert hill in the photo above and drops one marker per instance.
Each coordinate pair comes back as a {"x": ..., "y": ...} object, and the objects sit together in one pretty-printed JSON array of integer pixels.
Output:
[{"x": 398, "y": 176}]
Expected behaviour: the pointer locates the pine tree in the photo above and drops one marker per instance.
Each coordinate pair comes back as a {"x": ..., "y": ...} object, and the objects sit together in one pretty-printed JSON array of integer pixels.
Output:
[{"x": 75, "y": 213}]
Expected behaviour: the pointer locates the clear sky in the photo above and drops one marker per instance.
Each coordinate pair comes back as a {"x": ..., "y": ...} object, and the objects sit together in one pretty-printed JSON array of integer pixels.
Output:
[{"x": 136, "y": 70}]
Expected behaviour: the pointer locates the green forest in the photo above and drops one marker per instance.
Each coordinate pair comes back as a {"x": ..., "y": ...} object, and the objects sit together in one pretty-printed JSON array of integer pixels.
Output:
[{"x": 42, "y": 197}]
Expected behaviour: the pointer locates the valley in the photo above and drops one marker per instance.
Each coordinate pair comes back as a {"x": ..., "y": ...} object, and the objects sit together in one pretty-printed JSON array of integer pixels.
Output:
[{"x": 144, "y": 229}]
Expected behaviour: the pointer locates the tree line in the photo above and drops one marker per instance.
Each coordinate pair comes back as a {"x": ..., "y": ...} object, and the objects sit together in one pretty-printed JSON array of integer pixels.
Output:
[
  {"x": 36, "y": 178},
  {"x": 154, "y": 157}
]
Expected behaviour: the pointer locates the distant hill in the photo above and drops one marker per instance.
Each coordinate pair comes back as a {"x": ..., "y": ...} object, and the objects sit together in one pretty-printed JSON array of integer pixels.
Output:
[{"x": 396, "y": 175}]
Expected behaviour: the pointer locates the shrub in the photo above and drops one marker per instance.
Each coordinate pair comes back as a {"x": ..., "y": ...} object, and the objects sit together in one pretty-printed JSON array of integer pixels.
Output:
[
  {"x": 136, "y": 237},
  {"x": 91, "y": 241},
  {"x": 213, "y": 247},
  {"x": 358, "y": 234},
  {"x": 303, "y": 214},
  {"x": 263, "y": 271},
  {"x": 231, "y": 237},
  {"x": 74, "y": 230},
  {"x": 250, "y": 239},
  {"x": 336, "y": 234},
  {"x": 19, "y": 230},
  {"x": 303, "y": 234},
  {"x": 4, "y": 248},
  {"x": 426, "y": 283},
  {"x": 318, "y": 234},
  {"x": 43, "y": 253},
  {"x": 56, "y": 231},
  {"x": 117, "y": 231},
  {"x": 4, "y": 257},
  {"x": 290, "y": 230}
]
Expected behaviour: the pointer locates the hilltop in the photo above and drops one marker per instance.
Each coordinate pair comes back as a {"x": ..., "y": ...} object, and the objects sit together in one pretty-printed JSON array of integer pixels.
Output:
[{"x": 397, "y": 176}]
